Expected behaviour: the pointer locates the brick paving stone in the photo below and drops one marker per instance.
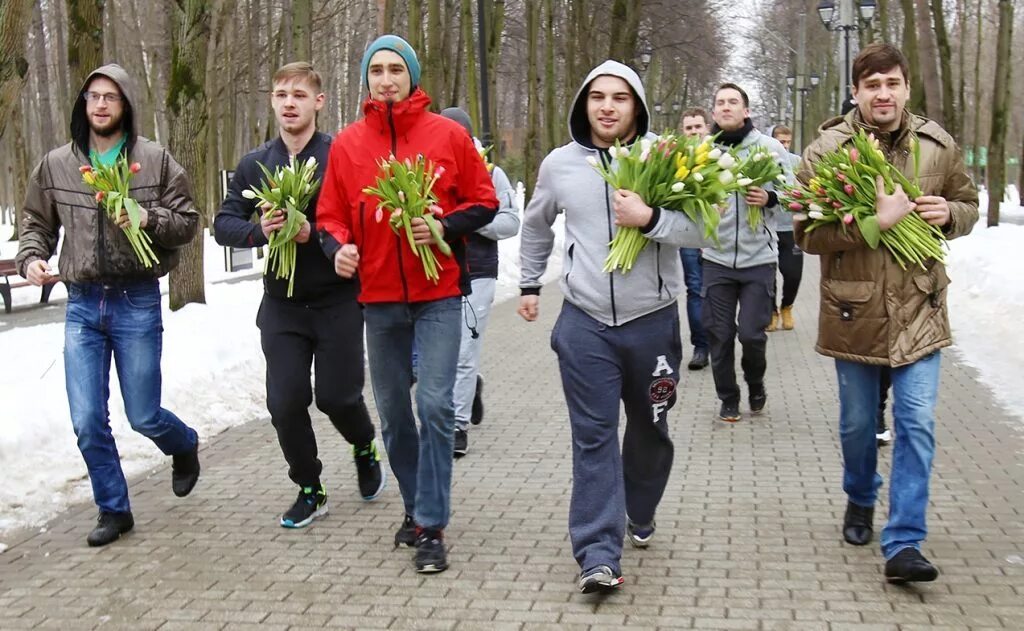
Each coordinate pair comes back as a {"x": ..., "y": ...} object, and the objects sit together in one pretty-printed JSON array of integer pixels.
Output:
[{"x": 748, "y": 531}]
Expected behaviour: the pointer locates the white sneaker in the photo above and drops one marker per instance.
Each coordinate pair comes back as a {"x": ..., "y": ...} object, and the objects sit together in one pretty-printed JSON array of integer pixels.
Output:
[{"x": 884, "y": 438}]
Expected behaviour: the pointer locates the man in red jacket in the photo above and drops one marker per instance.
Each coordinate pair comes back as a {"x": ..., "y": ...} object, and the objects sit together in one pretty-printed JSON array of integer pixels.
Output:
[{"x": 401, "y": 304}]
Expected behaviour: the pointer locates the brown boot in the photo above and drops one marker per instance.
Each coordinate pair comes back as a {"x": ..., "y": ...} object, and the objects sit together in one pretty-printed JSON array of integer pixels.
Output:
[
  {"x": 787, "y": 318},
  {"x": 774, "y": 325}
]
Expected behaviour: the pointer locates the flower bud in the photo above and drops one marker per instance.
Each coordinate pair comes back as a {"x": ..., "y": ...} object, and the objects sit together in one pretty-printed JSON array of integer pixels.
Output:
[
  {"x": 85, "y": 168},
  {"x": 814, "y": 214},
  {"x": 248, "y": 194},
  {"x": 715, "y": 154},
  {"x": 135, "y": 167},
  {"x": 99, "y": 196},
  {"x": 815, "y": 207},
  {"x": 592, "y": 161},
  {"x": 678, "y": 187},
  {"x": 847, "y": 218},
  {"x": 796, "y": 206},
  {"x": 849, "y": 189},
  {"x": 726, "y": 161},
  {"x": 854, "y": 154},
  {"x": 744, "y": 181},
  {"x": 698, "y": 177},
  {"x": 725, "y": 177}
]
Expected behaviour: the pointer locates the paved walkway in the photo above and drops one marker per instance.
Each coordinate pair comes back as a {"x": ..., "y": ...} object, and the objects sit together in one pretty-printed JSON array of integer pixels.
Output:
[{"x": 748, "y": 533}]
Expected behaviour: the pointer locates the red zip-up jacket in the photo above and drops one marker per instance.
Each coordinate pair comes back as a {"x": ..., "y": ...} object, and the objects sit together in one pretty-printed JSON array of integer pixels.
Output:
[{"x": 389, "y": 271}]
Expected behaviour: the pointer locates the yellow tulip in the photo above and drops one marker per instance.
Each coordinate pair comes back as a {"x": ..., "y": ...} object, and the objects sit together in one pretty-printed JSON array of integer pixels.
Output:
[
  {"x": 702, "y": 158},
  {"x": 88, "y": 178},
  {"x": 682, "y": 172}
]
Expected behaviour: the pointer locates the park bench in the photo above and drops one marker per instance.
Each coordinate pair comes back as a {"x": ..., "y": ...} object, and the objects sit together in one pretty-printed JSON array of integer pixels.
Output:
[{"x": 8, "y": 269}]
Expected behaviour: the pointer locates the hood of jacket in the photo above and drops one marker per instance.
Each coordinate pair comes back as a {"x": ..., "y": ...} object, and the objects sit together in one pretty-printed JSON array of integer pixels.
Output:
[
  {"x": 79, "y": 121},
  {"x": 579, "y": 124}
]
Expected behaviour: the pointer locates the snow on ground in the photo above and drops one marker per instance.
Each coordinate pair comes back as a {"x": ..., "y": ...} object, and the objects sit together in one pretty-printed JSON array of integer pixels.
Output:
[
  {"x": 986, "y": 299},
  {"x": 213, "y": 368}
]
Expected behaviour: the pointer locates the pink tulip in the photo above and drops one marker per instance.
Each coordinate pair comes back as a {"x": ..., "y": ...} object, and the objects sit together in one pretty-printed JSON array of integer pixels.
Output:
[
  {"x": 849, "y": 189},
  {"x": 379, "y": 215},
  {"x": 99, "y": 196},
  {"x": 840, "y": 177},
  {"x": 135, "y": 167},
  {"x": 837, "y": 204},
  {"x": 854, "y": 154},
  {"x": 796, "y": 206},
  {"x": 847, "y": 218},
  {"x": 797, "y": 194}
]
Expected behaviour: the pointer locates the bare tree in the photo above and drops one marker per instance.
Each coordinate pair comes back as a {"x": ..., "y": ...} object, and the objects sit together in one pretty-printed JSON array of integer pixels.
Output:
[
  {"x": 302, "y": 30},
  {"x": 85, "y": 39},
  {"x": 1001, "y": 94},
  {"x": 949, "y": 115},
  {"x": 14, "y": 20},
  {"x": 927, "y": 57}
]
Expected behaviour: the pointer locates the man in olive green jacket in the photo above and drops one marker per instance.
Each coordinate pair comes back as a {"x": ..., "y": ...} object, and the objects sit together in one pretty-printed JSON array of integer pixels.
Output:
[
  {"x": 874, "y": 314},
  {"x": 113, "y": 299}
]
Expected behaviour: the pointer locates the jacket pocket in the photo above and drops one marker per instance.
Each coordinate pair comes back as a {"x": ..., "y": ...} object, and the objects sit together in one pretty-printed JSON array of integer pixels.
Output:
[
  {"x": 848, "y": 297},
  {"x": 569, "y": 254},
  {"x": 933, "y": 284}
]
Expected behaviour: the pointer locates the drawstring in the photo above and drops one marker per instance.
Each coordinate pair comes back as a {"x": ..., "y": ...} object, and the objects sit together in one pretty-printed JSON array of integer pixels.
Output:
[{"x": 465, "y": 317}]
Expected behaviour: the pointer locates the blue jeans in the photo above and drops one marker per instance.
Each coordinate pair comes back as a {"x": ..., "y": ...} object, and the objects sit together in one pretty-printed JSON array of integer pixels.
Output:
[
  {"x": 915, "y": 389},
  {"x": 692, "y": 275},
  {"x": 421, "y": 461},
  {"x": 122, "y": 320}
]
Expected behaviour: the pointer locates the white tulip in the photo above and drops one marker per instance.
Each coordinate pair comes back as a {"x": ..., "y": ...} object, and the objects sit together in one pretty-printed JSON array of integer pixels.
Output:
[
  {"x": 744, "y": 181},
  {"x": 623, "y": 152},
  {"x": 698, "y": 177},
  {"x": 725, "y": 177},
  {"x": 800, "y": 216},
  {"x": 714, "y": 154},
  {"x": 815, "y": 207},
  {"x": 592, "y": 161},
  {"x": 726, "y": 161},
  {"x": 814, "y": 214},
  {"x": 781, "y": 177},
  {"x": 248, "y": 194},
  {"x": 645, "y": 146},
  {"x": 677, "y": 187}
]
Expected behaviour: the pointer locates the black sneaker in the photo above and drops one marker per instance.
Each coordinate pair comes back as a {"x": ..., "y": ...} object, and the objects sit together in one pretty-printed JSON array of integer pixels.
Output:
[
  {"x": 406, "y": 533},
  {"x": 431, "y": 557},
  {"x": 600, "y": 579},
  {"x": 729, "y": 412},
  {"x": 858, "y": 524},
  {"x": 185, "y": 471},
  {"x": 758, "y": 398},
  {"x": 477, "y": 414},
  {"x": 372, "y": 477},
  {"x": 461, "y": 442},
  {"x": 700, "y": 359},
  {"x": 109, "y": 528},
  {"x": 311, "y": 503},
  {"x": 910, "y": 566}
]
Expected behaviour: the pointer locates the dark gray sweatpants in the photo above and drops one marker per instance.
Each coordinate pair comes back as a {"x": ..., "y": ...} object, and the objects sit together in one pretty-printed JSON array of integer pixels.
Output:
[
  {"x": 636, "y": 363},
  {"x": 752, "y": 290}
]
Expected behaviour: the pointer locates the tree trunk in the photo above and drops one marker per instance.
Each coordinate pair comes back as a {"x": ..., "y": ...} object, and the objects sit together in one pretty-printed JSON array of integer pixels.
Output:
[
  {"x": 883, "y": 20},
  {"x": 495, "y": 27},
  {"x": 472, "y": 73},
  {"x": 14, "y": 21},
  {"x": 1000, "y": 106},
  {"x": 186, "y": 102},
  {"x": 59, "y": 24},
  {"x": 551, "y": 124},
  {"x": 109, "y": 50},
  {"x": 532, "y": 88},
  {"x": 385, "y": 16},
  {"x": 927, "y": 62},
  {"x": 48, "y": 139},
  {"x": 949, "y": 117},
  {"x": 918, "y": 99},
  {"x": 302, "y": 30},
  {"x": 85, "y": 40},
  {"x": 961, "y": 121},
  {"x": 626, "y": 18},
  {"x": 21, "y": 167},
  {"x": 416, "y": 27},
  {"x": 434, "y": 79},
  {"x": 979, "y": 173}
]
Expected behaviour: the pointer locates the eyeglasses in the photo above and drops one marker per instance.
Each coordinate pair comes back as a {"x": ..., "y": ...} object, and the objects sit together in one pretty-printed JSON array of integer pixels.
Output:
[{"x": 94, "y": 97}]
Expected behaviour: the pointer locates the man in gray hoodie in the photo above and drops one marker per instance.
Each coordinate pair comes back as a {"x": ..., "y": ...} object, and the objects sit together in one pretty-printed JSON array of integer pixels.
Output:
[
  {"x": 740, "y": 271},
  {"x": 617, "y": 337}
]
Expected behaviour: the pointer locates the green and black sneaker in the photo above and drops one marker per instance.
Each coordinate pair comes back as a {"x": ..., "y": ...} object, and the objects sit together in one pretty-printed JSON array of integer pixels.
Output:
[
  {"x": 311, "y": 503},
  {"x": 372, "y": 477}
]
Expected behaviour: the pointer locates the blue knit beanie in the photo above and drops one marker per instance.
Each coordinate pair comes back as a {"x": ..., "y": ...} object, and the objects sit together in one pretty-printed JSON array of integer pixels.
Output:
[{"x": 397, "y": 45}]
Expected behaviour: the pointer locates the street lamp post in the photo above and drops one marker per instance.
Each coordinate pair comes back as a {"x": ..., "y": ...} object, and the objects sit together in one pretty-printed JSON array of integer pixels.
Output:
[
  {"x": 658, "y": 108},
  {"x": 845, "y": 20}
]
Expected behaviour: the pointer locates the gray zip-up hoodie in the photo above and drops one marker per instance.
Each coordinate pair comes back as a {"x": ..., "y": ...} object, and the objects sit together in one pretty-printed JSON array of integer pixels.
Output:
[
  {"x": 567, "y": 184},
  {"x": 739, "y": 246}
]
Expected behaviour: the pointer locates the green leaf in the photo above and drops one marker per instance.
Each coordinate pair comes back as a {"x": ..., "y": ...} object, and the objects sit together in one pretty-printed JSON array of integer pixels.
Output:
[{"x": 869, "y": 229}]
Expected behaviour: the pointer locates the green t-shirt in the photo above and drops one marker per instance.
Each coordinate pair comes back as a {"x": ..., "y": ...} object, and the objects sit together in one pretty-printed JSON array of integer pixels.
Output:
[{"x": 108, "y": 157}]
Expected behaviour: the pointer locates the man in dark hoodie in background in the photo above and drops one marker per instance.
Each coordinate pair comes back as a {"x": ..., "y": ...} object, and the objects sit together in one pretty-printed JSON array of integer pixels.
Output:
[{"x": 113, "y": 300}]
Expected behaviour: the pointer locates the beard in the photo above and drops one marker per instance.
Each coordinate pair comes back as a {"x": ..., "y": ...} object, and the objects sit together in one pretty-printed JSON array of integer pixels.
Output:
[{"x": 112, "y": 127}]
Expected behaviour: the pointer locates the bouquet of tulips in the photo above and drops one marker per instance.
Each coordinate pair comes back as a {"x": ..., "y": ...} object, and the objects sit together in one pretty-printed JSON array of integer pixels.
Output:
[
  {"x": 406, "y": 191},
  {"x": 486, "y": 157},
  {"x": 110, "y": 183},
  {"x": 760, "y": 167},
  {"x": 843, "y": 191},
  {"x": 289, "y": 189},
  {"x": 671, "y": 172}
]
